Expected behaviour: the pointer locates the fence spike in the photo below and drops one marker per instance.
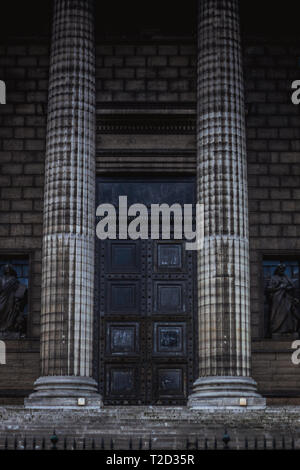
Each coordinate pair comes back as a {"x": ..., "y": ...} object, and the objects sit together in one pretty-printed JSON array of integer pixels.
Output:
[
  {"x": 279, "y": 443},
  {"x": 54, "y": 440},
  {"x": 226, "y": 439}
]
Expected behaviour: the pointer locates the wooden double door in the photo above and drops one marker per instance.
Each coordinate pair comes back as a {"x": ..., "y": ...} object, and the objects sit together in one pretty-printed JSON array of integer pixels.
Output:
[{"x": 145, "y": 289}]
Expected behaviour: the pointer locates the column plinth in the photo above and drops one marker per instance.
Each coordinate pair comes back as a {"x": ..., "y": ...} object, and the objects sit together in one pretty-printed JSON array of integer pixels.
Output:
[
  {"x": 226, "y": 392},
  {"x": 224, "y": 375},
  {"x": 69, "y": 214},
  {"x": 64, "y": 392}
]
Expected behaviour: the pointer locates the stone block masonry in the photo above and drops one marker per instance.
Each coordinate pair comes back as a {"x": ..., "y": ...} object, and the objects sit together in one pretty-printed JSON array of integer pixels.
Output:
[
  {"x": 153, "y": 73},
  {"x": 24, "y": 68},
  {"x": 273, "y": 136},
  {"x": 22, "y": 154}
]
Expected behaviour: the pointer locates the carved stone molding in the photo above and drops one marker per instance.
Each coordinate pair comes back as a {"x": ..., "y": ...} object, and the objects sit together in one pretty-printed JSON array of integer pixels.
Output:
[
  {"x": 123, "y": 160},
  {"x": 146, "y": 124}
]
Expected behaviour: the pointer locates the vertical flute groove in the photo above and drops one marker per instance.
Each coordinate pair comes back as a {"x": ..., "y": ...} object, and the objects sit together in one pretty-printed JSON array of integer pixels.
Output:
[
  {"x": 223, "y": 264},
  {"x": 68, "y": 237}
]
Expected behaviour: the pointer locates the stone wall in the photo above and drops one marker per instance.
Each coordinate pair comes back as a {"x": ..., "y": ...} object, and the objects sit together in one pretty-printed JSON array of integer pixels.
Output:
[
  {"x": 151, "y": 73},
  {"x": 273, "y": 145},
  {"x": 24, "y": 67}
]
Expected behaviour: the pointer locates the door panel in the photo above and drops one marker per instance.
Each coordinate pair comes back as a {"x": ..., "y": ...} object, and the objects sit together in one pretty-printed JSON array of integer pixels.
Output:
[{"x": 145, "y": 305}]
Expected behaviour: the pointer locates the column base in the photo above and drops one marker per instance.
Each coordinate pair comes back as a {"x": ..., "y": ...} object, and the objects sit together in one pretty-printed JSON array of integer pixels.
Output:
[
  {"x": 68, "y": 392},
  {"x": 226, "y": 392}
]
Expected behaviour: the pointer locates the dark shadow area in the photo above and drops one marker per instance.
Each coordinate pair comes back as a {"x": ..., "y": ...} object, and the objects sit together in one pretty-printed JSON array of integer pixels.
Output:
[
  {"x": 265, "y": 18},
  {"x": 25, "y": 18},
  {"x": 155, "y": 17}
]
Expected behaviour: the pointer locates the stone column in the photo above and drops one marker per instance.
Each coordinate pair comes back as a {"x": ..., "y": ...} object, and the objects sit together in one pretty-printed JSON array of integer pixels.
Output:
[
  {"x": 69, "y": 214},
  {"x": 223, "y": 263}
]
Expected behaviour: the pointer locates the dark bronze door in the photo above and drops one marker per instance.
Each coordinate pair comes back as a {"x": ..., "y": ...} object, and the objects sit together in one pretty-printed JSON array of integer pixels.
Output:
[{"x": 145, "y": 304}]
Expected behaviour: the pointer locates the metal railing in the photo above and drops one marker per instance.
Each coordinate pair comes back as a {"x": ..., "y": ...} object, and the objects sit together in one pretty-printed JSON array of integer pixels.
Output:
[{"x": 60, "y": 442}]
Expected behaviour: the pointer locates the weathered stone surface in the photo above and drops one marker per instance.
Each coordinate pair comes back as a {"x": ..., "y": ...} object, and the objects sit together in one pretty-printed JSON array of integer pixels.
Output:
[
  {"x": 223, "y": 263},
  {"x": 168, "y": 427},
  {"x": 68, "y": 234}
]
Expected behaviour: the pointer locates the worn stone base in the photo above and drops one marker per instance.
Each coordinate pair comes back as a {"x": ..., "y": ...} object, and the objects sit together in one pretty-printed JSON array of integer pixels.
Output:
[
  {"x": 67, "y": 392},
  {"x": 168, "y": 427},
  {"x": 226, "y": 392}
]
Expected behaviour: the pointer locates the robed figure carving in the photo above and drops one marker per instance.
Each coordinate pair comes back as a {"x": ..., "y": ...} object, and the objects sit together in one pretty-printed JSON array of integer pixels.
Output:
[
  {"x": 13, "y": 299},
  {"x": 284, "y": 313}
]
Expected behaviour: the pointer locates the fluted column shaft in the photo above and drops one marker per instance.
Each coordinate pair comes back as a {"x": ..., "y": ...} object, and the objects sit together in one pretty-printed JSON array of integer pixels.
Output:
[
  {"x": 68, "y": 250},
  {"x": 223, "y": 263},
  {"x": 69, "y": 199}
]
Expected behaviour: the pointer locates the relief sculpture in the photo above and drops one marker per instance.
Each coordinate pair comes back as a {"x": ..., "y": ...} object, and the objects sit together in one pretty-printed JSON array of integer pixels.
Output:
[
  {"x": 284, "y": 319},
  {"x": 13, "y": 300}
]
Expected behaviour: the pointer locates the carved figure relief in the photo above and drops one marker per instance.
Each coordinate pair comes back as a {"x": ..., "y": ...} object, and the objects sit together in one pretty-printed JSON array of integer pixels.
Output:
[
  {"x": 13, "y": 299},
  {"x": 283, "y": 305}
]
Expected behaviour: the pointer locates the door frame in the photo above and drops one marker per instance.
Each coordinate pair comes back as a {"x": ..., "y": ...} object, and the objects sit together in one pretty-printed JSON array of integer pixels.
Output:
[{"x": 192, "y": 361}]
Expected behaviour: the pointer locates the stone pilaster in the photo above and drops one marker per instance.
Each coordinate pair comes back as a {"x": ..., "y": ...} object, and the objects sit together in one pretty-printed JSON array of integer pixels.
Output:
[
  {"x": 223, "y": 264},
  {"x": 69, "y": 210}
]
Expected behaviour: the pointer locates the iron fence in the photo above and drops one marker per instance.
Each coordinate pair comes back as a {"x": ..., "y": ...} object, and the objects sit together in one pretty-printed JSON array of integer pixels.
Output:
[{"x": 225, "y": 442}]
